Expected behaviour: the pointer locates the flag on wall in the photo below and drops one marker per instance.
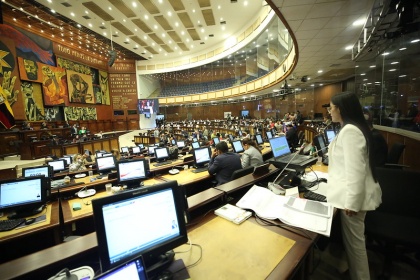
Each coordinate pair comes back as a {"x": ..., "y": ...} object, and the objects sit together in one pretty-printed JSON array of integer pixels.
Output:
[{"x": 7, "y": 118}]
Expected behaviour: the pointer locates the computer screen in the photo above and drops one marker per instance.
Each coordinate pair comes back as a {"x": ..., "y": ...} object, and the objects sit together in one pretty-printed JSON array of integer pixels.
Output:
[
  {"x": 141, "y": 146},
  {"x": 107, "y": 154},
  {"x": 195, "y": 145},
  {"x": 202, "y": 156},
  {"x": 231, "y": 137},
  {"x": 173, "y": 142},
  {"x": 148, "y": 221},
  {"x": 237, "y": 146},
  {"x": 24, "y": 195},
  {"x": 131, "y": 172},
  {"x": 151, "y": 150},
  {"x": 58, "y": 165},
  {"x": 329, "y": 135},
  {"x": 124, "y": 150},
  {"x": 240, "y": 133},
  {"x": 216, "y": 140},
  {"x": 67, "y": 159},
  {"x": 269, "y": 134},
  {"x": 162, "y": 154},
  {"x": 180, "y": 144},
  {"x": 133, "y": 270},
  {"x": 195, "y": 139},
  {"x": 259, "y": 139},
  {"x": 44, "y": 170},
  {"x": 105, "y": 164},
  {"x": 320, "y": 145},
  {"x": 279, "y": 146},
  {"x": 136, "y": 150}
]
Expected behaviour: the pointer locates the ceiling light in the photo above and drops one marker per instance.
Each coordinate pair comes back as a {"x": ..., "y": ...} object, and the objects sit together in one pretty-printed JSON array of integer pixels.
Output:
[
  {"x": 402, "y": 76},
  {"x": 403, "y": 48},
  {"x": 349, "y": 47},
  {"x": 320, "y": 71},
  {"x": 72, "y": 14},
  {"x": 134, "y": 4},
  {"x": 52, "y": 11},
  {"x": 385, "y": 53},
  {"x": 372, "y": 66},
  {"x": 392, "y": 70},
  {"x": 395, "y": 62},
  {"x": 358, "y": 22},
  {"x": 415, "y": 41},
  {"x": 109, "y": 8}
]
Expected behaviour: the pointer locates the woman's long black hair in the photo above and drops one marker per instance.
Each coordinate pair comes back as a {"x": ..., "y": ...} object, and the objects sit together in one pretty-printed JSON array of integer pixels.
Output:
[{"x": 352, "y": 113}]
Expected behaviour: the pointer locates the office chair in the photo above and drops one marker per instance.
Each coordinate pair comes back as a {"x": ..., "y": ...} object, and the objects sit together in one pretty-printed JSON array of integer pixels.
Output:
[
  {"x": 394, "y": 156},
  {"x": 242, "y": 172},
  {"x": 394, "y": 228}
]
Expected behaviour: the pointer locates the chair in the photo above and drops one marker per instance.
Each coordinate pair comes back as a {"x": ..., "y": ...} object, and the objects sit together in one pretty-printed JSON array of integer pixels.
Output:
[
  {"x": 394, "y": 228},
  {"x": 394, "y": 156},
  {"x": 242, "y": 172}
]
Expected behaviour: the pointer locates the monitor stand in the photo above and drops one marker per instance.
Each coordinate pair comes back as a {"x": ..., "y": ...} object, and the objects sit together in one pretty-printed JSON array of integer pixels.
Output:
[
  {"x": 158, "y": 264},
  {"x": 26, "y": 212}
]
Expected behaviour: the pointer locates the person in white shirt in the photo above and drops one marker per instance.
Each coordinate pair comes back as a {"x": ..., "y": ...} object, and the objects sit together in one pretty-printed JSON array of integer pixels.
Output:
[{"x": 352, "y": 184}]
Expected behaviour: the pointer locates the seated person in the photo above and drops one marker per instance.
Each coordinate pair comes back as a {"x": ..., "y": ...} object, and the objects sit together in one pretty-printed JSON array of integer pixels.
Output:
[
  {"x": 116, "y": 154},
  {"x": 223, "y": 163},
  {"x": 27, "y": 126},
  {"x": 82, "y": 130},
  {"x": 55, "y": 141},
  {"x": 44, "y": 125},
  {"x": 252, "y": 155},
  {"x": 78, "y": 163},
  {"x": 292, "y": 136}
]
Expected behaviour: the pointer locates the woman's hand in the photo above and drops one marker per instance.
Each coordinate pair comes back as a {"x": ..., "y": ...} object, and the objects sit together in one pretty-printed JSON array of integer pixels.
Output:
[{"x": 350, "y": 213}]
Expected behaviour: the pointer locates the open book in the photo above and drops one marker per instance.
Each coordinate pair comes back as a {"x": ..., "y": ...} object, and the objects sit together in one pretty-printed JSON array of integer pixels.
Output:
[{"x": 289, "y": 210}]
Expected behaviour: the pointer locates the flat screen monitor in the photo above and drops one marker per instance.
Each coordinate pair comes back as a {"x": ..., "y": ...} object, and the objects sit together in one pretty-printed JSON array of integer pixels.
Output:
[
  {"x": 195, "y": 139},
  {"x": 58, "y": 165},
  {"x": 244, "y": 113},
  {"x": 259, "y": 139},
  {"x": 230, "y": 137},
  {"x": 136, "y": 150},
  {"x": 99, "y": 154},
  {"x": 173, "y": 142},
  {"x": 160, "y": 117},
  {"x": 180, "y": 144},
  {"x": 67, "y": 159},
  {"x": 269, "y": 134},
  {"x": 107, "y": 154},
  {"x": 147, "y": 221},
  {"x": 131, "y": 172},
  {"x": 320, "y": 145},
  {"x": 240, "y": 133},
  {"x": 141, "y": 146},
  {"x": 161, "y": 154},
  {"x": 124, "y": 150},
  {"x": 44, "y": 170},
  {"x": 195, "y": 145},
  {"x": 216, "y": 140},
  {"x": 202, "y": 156},
  {"x": 148, "y": 106},
  {"x": 279, "y": 146},
  {"x": 329, "y": 135},
  {"x": 133, "y": 269},
  {"x": 237, "y": 146},
  {"x": 24, "y": 196},
  {"x": 151, "y": 150},
  {"x": 147, "y": 115},
  {"x": 105, "y": 164},
  {"x": 273, "y": 131}
]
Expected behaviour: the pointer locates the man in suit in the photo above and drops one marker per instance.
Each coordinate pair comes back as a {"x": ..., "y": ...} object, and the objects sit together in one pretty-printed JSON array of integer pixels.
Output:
[
  {"x": 223, "y": 163},
  {"x": 74, "y": 130}
]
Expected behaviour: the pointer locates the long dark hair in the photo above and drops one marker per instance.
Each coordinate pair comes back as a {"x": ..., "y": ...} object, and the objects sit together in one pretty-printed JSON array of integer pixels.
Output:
[{"x": 352, "y": 113}]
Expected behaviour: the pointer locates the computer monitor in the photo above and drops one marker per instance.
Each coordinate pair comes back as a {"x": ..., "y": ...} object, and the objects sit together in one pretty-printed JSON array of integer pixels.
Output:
[
  {"x": 273, "y": 131},
  {"x": 279, "y": 146},
  {"x": 201, "y": 156},
  {"x": 147, "y": 221},
  {"x": 181, "y": 144},
  {"x": 105, "y": 164},
  {"x": 107, "y": 154},
  {"x": 329, "y": 135},
  {"x": 133, "y": 269},
  {"x": 269, "y": 134},
  {"x": 320, "y": 145},
  {"x": 195, "y": 139},
  {"x": 259, "y": 139},
  {"x": 173, "y": 142},
  {"x": 67, "y": 159},
  {"x": 131, "y": 172},
  {"x": 44, "y": 170},
  {"x": 124, "y": 150},
  {"x": 151, "y": 150},
  {"x": 141, "y": 146},
  {"x": 240, "y": 133},
  {"x": 98, "y": 154},
  {"x": 161, "y": 154},
  {"x": 231, "y": 138},
  {"x": 195, "y": 145},
  {"x": 58, "y": 165},
  {"x": 216, "y": 140},
  {"x": 136, "y": 150},
  {"x": 237, "y": 146},
  {"x": 24, "y": 196}
]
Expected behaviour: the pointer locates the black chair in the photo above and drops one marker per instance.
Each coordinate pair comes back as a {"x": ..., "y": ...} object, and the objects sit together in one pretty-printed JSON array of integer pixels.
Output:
[
  {"x": 394, "y": 156},
  {"x": 394, "y": 228},
  {"x": 242, "y": 172}
]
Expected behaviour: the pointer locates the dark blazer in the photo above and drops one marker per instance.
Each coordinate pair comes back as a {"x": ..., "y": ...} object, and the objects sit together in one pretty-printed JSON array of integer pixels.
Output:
[
  {"x": 73, "y": 130},
  {"x": 224, "y": 165}
]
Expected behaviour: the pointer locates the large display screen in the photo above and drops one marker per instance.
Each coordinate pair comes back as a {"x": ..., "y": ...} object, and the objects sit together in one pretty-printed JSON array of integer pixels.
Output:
[{"x": 148, "y": 106}]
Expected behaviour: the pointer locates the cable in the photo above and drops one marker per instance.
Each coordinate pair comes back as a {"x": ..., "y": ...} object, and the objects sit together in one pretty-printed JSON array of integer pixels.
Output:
[
  {"x": 194, "y": 263},
  {"x": 259, "y": 219},
  {"x": 189, "y": 249}
]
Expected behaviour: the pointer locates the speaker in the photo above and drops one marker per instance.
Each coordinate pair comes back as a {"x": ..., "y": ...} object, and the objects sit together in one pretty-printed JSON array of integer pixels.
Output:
[{"x": 112, "y": 57}]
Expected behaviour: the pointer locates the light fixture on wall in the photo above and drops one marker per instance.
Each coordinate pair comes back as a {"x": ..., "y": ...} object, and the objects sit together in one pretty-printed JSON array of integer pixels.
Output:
[{"x": 112, "y": 52}]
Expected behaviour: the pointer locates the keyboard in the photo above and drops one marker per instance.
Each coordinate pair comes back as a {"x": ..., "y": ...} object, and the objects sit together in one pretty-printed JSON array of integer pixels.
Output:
[
  {"x": 314, "y": 196},
  {"x": 298, "y": 158},
  {"x": 6, "y": 225},
  {"x": 198, "y": 170},
  {"x": 162, "y": 163}
]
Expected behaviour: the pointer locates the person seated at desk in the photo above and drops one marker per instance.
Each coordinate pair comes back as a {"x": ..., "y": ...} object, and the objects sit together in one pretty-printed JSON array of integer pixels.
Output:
[
  {"x": 27, "y": 126},
  {"x": 78, "y": 163},
  {"x": 44, "y": 125},
  {"x": 55, "y": 141},
  {"x": 292, "y": 136},
  {"x": 116, "y": 154},
  {"x": 76, "y": 139},
  {"x": 223, "y": 163},
  {"x": 252, "y": 155}
]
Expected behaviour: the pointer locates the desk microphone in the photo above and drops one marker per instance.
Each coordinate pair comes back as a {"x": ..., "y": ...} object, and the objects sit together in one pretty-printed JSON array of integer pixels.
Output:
[{"x": 83, "y": 192}]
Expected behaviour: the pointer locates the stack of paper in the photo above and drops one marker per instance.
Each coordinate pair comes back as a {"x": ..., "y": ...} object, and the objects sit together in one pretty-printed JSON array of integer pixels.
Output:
[{"x": 290, "y": 210}]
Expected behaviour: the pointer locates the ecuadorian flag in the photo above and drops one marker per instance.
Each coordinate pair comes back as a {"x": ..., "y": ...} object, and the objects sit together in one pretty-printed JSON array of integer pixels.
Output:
[{"x": 7, "y": 119}]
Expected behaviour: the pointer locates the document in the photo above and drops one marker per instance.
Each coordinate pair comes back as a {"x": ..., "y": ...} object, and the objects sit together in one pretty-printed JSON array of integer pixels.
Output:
[{"x": 289, "y": 210}]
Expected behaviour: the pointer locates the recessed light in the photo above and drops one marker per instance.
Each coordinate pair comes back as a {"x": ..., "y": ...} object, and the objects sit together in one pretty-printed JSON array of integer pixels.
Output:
[
  {"x": 415, "y": 41},
  {"x": 320, "y": 71}
]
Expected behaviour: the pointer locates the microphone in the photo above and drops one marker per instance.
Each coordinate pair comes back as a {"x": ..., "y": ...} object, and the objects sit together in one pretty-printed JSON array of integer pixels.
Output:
[{"x": 83, "y": 192}]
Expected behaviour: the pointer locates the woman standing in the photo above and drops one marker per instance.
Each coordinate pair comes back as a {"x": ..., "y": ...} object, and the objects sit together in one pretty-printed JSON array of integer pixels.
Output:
[{"x": 352, "y": 184}]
